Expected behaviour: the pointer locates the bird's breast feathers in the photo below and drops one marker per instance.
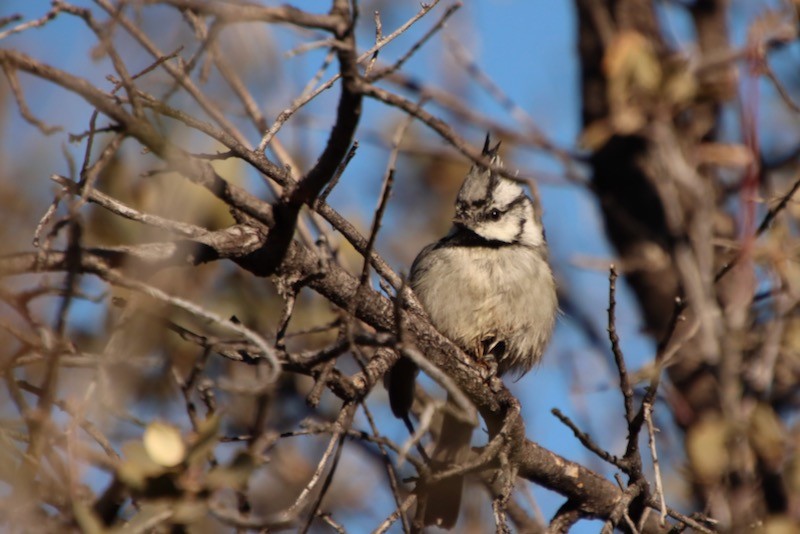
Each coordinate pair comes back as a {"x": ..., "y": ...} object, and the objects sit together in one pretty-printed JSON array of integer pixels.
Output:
[{"x": 471, "y": 295}]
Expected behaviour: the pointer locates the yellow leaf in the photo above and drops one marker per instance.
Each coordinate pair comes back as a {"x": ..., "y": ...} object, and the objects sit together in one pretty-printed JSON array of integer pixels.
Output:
[
  {"x": 707, "y": 449},
  {"x": 680, "y": 88},
  {"x": 87, "y": 520},
  {"x": 137, "y": 466},
  {"x": 164, "y": 444},
  {"x": 205, "y": 440},
  {"x": 188, "y": 511},
  {"x": 631, "y": 64},
  {"x": 724, "y": 155},
  {"x": 595, "y": 135},
  {"x": 779, "y": 524},
  {"x": 767, "y": 435}
]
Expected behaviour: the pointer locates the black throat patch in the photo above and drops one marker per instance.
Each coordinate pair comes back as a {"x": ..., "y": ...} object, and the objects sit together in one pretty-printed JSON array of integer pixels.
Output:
[{"x": 464, "y": 237}]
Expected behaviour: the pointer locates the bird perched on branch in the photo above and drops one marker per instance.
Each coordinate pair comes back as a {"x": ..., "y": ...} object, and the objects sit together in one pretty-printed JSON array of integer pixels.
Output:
[{"x": 487, "y": 286}]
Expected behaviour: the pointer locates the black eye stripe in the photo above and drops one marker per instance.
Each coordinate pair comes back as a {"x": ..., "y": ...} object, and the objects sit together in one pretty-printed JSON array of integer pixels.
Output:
[
  {"x": 520, "y": 231},
  {"x": 516, "y": 202}
]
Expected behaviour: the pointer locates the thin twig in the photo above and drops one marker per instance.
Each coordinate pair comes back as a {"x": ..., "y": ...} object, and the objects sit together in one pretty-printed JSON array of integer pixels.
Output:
[
  {"x": 342, "y": 425},
  {"x": 87, "y": 426},
  {"x": 624, "y": 381},
  {"x": 386, "y": 189},
  {"x": 620, "y": 511},
  {"x": 415, "y": 435},
  {"x": 359, "y": 242},
  {"x": 390, "y": 470},
  {"x": 651, "y": 433},
  {"x": 331, "y": 523},
  {"x": 194, "y": 309},
  {"x": 400, "y": 512},
  {"x": 323, "y": 197},
  {"x": 774, "y": 211},
  {"x": 47, "y": 218},
  {"x": 10, "y": 19},
  {"x": 442, "y": 128},
  {"x": 118, "y": 208},
  {"x": 181, "y": 77},
  {"x": 496, "y": 92},
  {"x": 378, "y": 39},
  {"x": 328, "y": 42},
  {"x": 587, "y": 441},
  {"x": 765, "y": 223},
  {"x": 782, "y": 91},
  {"x": 466, "y": 410},
  {"x": 416, "y": 46},
  {"x": 301, "y": 101},
  {"x": 685, "y": 519},
  {"x": 22, "y": 104},
  {"x": 36, "y": 23}
]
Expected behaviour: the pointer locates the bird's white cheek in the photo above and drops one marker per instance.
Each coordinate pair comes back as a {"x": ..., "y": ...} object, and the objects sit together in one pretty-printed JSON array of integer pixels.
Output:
[
  {"x": 532, "y": 234},
  {"x": 504, "y": 230}
]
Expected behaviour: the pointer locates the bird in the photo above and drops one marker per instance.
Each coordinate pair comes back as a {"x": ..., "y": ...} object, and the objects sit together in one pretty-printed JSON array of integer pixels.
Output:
[{"x": 488, "y": 286}]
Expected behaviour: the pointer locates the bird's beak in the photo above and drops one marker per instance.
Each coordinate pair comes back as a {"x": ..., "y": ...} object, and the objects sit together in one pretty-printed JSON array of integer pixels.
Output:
[{"x": 460, "y": 220}]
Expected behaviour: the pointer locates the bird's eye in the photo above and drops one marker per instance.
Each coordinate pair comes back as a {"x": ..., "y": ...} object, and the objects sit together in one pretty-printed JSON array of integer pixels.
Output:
[{"x": 494, "y": 214}]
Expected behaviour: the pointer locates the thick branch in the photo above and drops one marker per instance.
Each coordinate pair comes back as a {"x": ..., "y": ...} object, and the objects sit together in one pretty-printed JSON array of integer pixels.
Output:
[
  {"x": 596, "y": 495},
  {"x": 247, "y": 12},
  {"x": 339, "y": 141}
]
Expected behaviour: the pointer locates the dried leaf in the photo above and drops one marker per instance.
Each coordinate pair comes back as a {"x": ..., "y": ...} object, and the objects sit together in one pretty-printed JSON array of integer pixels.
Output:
[
  {"x": 188, "y": 511},
  {"x": 779, "y": 524},
  {"x": 793, "y": 466},
  {"x": 679, "y": 87},
  {"x": 630, "y": 62},
  {"x": 707, "y": 449},
  {"x": 628, "y": 120},
  {"x": 205, "y": 440},
  {"x": 233, "y": 476},
  {"x": 596, "y": 135},
  {"x": 790, "y": 344},
  {"x": 137, "y": 466},
  {"x": 634, "y": 75},
  {"x": 724, "y": 155},
  {"x": 772, "y": 26},
  {"x": 150, "y": 515},
  {"x": 767, "y": 435},
  {"x": 87, "y": 520},
  {"x": 164, "y": 444}
]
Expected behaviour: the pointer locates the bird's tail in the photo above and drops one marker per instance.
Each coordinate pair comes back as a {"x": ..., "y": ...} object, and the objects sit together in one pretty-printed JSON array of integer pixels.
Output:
[{"x": 442, "y": 499}]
